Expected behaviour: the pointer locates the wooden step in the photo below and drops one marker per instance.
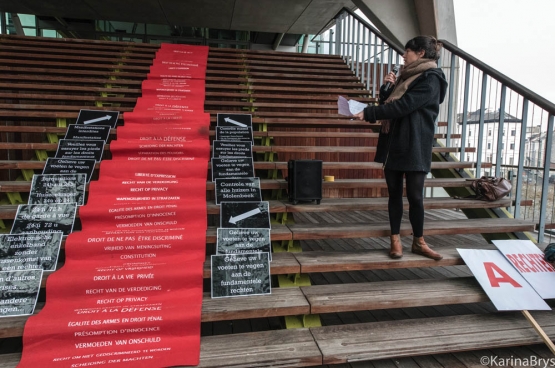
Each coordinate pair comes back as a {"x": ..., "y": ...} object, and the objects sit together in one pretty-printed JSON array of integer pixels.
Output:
[
  {"x": 60, "y": 80},
  {"x": 365, "y": 342},
  {"x": 446, "y": 227},
  {"x": 39, "y": 165},
  {"x": 277, "y": 58},
  {"x": 324, "y": 90},
  {"x": 78, "y": 43},
  {"x": 377, "y": 229},
  {"x": 218, "y": 58},
  {"x": 251, "y": 68},
  {"x": 289, "y": 133},
  {"x": 255, "y": 148},
  {"x": 94, "y": 94},
  {"x": 51, "y": 97},
  {"x": 25, "y": 186},
  {"x": 8, "y": 212},
  {"x": 402, "y": 338},
  {"x": 263, "y": 85},
  {"x": 39, "y": 49},
  {"x": 113, "y": 59},
  {"x": 72, "y": 70},
  {"x": 392, "y": 294},
  {"x": 376, "y": 259},
  {"x": 74, "y": 65}
]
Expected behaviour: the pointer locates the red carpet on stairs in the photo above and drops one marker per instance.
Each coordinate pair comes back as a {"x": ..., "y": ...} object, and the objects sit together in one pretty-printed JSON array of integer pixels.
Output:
[{"x": 130, "y": 291}]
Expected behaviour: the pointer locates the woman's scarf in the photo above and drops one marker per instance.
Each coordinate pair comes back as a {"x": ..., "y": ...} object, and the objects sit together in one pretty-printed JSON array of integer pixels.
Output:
[{"x": 408, "y": 75}]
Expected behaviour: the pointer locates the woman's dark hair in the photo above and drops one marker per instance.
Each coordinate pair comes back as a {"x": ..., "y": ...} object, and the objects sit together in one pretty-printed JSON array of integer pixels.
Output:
[{"x": 428, "y": 44}]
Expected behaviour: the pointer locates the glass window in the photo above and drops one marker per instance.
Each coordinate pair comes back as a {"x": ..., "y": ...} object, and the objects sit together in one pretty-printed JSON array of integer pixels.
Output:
[
  {"x": 513, "y": 133},
  {"x": 512, "y": 146}
]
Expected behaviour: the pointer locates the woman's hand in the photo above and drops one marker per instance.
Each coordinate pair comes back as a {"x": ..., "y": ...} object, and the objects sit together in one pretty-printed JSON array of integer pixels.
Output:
[
  {"x": 390, "y": 78},
  {"x": 359, "y": 116}
]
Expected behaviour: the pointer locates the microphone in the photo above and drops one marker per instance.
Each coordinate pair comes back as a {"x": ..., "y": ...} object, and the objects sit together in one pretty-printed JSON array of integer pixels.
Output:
[{"x": 396, "y": 72}]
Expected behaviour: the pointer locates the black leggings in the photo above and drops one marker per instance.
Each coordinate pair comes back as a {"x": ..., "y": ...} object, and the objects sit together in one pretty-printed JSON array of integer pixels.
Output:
[{"x": 415, "y": 196}]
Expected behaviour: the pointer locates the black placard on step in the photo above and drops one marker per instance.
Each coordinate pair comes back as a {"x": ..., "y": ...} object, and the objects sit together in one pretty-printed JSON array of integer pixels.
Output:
[
  {"x": 254, "y": 215},
  {"x": 18, "y": 292},
  {"x": 57, "y": 188},
  {"x": 69, "y": 166},
  {"x": 231, "y": 149},
  {"x": 240, "y": 189},
  {"x": 88, "y": 132},
  {"x": 236, "y": 120},
  {"x": 226, "y": 168},
  {"x": 98, "y": 117},
  {"x": 29, "y": 251},
  {"x": 240, "y": 275},
  {"x": 44, "y": 218},
  {"x": 234, "y": 134},
  {"x": 238, "y": 241},
  {"x": 80, "y": 149}
]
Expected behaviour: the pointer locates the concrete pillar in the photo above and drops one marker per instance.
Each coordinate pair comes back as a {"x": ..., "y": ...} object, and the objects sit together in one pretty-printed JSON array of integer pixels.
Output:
[
  {"x": 17, "y": 24},
  {"x": 277, "y": 41},
  {"x": 305, "y": 43}
]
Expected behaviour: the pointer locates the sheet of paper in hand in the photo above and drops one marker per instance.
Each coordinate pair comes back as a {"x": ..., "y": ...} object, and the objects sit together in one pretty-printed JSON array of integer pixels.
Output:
[{"x": 349, "y": 107}]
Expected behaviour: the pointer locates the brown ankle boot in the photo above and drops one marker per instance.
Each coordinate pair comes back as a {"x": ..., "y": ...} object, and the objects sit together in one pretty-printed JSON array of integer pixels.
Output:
[
  {"x": 396, "y": 251},
  {"x": 419, "y": 246}
]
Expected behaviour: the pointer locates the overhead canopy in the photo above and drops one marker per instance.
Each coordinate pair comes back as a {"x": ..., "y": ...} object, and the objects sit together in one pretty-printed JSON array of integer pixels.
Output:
[{"x": 279, "y": 16}]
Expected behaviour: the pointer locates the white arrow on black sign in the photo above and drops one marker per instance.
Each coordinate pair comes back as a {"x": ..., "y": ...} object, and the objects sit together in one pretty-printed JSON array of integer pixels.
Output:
[
  {"x": 243, "y": 216},
  {"x": 107, "y": 117},
  {"x": 228, "y": 120}
]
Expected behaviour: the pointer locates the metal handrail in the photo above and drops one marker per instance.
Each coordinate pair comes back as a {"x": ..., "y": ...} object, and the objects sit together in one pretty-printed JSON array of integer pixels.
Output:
[{"x": 511, "y": 83}]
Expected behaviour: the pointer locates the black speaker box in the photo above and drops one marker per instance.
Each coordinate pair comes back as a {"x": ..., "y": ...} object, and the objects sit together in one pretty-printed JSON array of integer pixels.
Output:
[{"x": 304, "y": 180}]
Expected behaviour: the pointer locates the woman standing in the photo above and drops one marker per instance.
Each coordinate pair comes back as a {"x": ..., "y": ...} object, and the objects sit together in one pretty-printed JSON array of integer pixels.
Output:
[{"x": 407, "y": 113}]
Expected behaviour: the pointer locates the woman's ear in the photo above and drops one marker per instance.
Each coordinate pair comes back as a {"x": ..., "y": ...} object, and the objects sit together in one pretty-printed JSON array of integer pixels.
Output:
[{"x": 421, "y": 53}]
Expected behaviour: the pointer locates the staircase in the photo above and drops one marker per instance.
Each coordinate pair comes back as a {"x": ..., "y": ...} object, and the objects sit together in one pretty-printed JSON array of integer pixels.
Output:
[{"x": 337, "y": 298}]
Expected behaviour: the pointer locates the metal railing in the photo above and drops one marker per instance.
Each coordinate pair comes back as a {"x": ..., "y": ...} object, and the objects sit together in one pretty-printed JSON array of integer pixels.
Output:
[
  {"x": 509, "y": 126},
  {"x": 369, "y": 54}
]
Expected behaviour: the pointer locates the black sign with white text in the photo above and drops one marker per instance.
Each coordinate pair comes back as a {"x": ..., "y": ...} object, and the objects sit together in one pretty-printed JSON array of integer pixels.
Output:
[
  {"x": 241, "y": 189},
  {"x": 98, "y": 117},
  {"x": 44, "y": 218},
  {"x": 254, "y": 215},
  {"x": 56, "y": 188},
  {"x": 238, "y": 120},
  {"x": 234, "y": 134},
  {"x": 237, "y": 241},
  {"x": 69, "y": 166},
  {"x": 88, "y": 132},
  {"x": 240, "y": 274},
  {"x": 226, "y": 168},
  {"x": 79, "y": 149},
  {"x": 29, "y": 251},
  {"x": 231, "y": 149},
  {"x": 18, "y": 292}
]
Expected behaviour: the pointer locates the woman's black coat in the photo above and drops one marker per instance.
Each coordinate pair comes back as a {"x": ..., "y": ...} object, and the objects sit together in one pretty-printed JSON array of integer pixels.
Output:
[{"x": 408, "y": 145}]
